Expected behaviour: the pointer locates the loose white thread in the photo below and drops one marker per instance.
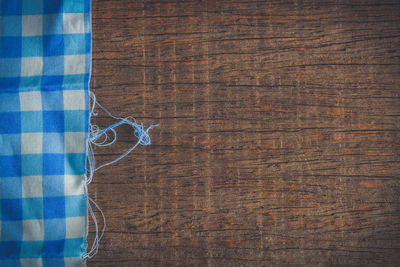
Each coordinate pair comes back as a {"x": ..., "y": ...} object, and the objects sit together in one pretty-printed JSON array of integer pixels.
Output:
[{"x": 101, "y": 138}]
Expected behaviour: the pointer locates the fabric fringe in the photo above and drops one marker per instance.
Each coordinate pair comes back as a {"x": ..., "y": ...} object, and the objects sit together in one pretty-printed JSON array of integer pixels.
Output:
[{"x": 103, "y": 138}]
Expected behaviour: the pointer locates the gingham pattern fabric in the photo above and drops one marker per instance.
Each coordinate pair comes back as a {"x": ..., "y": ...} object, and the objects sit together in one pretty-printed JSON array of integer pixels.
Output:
[{"x": 45, "y": 58}]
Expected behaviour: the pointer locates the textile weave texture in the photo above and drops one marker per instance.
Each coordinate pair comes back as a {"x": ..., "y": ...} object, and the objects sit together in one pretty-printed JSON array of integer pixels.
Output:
[{"x": 45, "y": 61}]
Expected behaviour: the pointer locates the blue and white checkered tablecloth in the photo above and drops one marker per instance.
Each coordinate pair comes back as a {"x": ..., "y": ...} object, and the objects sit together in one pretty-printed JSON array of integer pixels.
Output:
[{"x": 45, "y": 59}]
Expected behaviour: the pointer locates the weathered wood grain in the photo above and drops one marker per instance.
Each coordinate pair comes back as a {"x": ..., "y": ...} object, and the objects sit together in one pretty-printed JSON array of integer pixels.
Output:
[{"x": 279, "y": 132}]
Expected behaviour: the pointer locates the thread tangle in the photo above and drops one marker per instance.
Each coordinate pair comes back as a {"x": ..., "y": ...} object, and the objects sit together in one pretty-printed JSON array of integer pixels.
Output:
[{"x": 103, "y": 138}]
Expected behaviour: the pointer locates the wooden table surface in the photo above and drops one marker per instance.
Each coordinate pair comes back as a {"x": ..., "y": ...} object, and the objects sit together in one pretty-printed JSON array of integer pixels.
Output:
[{"x": 279, "y": 136}]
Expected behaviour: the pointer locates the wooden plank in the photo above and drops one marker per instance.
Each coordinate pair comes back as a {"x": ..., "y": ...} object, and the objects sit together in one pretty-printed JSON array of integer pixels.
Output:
[{"x": 279, "y": 132}]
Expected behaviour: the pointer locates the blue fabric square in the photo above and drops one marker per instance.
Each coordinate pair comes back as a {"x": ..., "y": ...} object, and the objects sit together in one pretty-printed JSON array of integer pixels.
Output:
[
  {"x": 75, "y": 163},
  {"x": 10, "y": 250},
  {"x": 87, "y": 7},
  {"x": 73, "y": 120},
  {"x": 10, "y": 8},
  {"x": 11, "y": 209},
  {"x": 87, "y": 78},
  {"x": 53, "y": 185},
  {"x": 53, "y": 121},
  {"x": 9, "y": 263},
  {"x": 52, "y": 6},
  {"x": 29, "y": 82},
  {"x": 9, "y": 84},
  {"x": 10, "y": 67},
  {"x": 52, "y": 250},
  {"x": 11, "y": 187},
  {"x": 53, "y": 262},
  {"x": 54, "y": 207},
  {"x": 53, "y": 143},
  {"x": 9, "y": 143},
  {"x": 10, "y": 166},
  {"x": 53, "y": 65},
  {"x": 10, "y": 46},
  {"x": 87, "y": 25},
  {"x": 52, "y": 100},
  {"x": 31, "y": 249},
  {"x": 30, "y": 7},
  {"x": 54, "y": 229},
  {"x": 53, "y": 45},
  {"x": 71, "y": 247},
  {"x": 52, "y": 24},
  {"x": 10, "y": 122},
  {"x": 32, "y": 46},
  {"x": 32, "y": 164},
  {"x": 74, "y": 44},
  {"x": 11, "y": 231},
  {"x": 75, "y": 206},
  {"x": 53, "y": 164},
  {"x": 52, "y": 82},
  {"x": 74, "y": 6},
  {"x": 9, "y": 102},
  {"x": 72, "y": 82},
  {"x": 12, "y": 25},
  {"x": 31, "y": 121},
  {"x": 32, "y": 208},
  {"x": 88, "y": 46}
]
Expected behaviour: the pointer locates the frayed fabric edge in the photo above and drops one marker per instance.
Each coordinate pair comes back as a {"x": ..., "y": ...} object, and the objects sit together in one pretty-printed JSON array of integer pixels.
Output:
[
  {"x": 93, "y": 137},
  {"x": 101, "y": 138}
]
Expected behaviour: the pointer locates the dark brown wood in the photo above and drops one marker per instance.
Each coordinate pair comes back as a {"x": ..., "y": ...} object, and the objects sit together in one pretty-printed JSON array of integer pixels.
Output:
[{"x": 279, "y": 132}]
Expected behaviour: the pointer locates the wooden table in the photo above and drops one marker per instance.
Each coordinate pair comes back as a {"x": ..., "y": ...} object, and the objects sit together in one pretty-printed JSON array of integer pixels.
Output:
[{"x": 279, "y": 132}]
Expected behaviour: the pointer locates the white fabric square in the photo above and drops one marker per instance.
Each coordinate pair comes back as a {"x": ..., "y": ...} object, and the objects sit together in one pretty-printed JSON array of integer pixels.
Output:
[
  {"x": 30, "y": 101},
  {"x": 74, "y": 185},
  {"x": 74, "y": 142},
  {"x": 32, "y": 186},
  {"x": 31, "y": 143},
  {"x": 31, "y": 66},
  {"x": 75, "y": 227},
  {"x": 74, "y": 64},
  {"x": 32, "y": 25},
  {"x": 74, "y": 100},
  {"x": 74, "y": 262},
  {"x": 31, "y": 262},
  {"x": 33, "y": 230},
  {"x": 73, "y": 23}
]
